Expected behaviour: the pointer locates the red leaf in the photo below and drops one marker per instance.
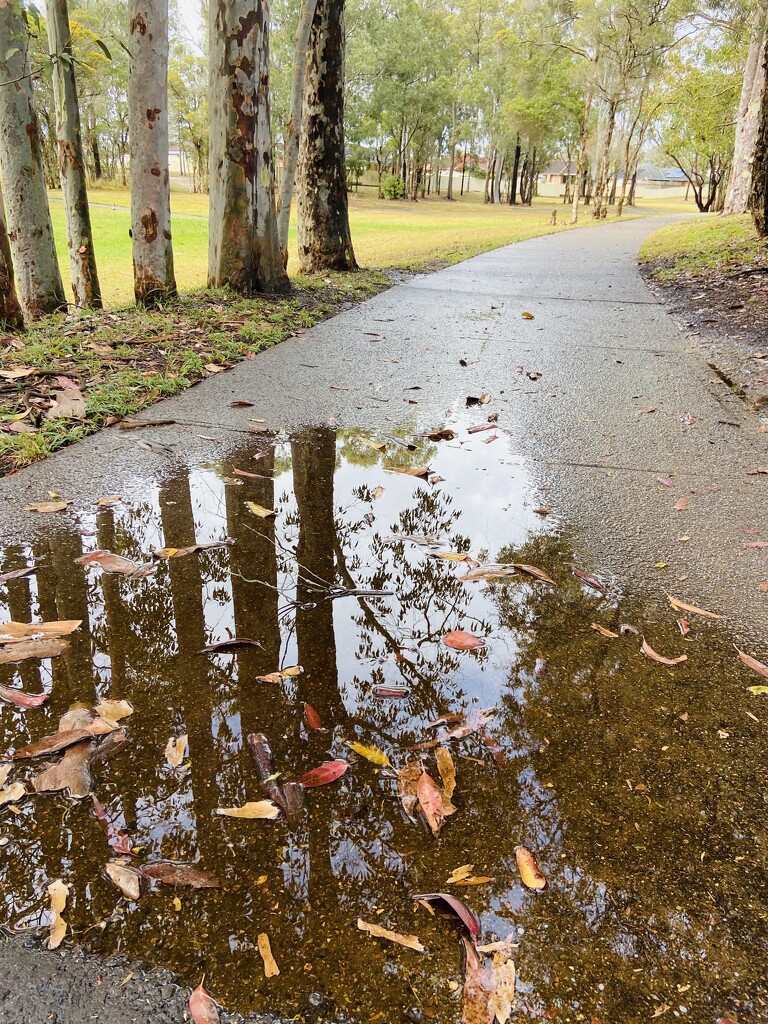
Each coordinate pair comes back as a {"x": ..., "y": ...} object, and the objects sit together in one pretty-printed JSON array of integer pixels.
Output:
[
  {"x": 537, "y": 573},
  {"x": 753, "y": 663},
  {"x": 21, "y": 699},
  {"x": 384, "y": 692},
  {"x": 649, "y": 652},
  {"x": 328, "y": 771},
  {"x": 431, "y": 801},
  {"x": 117, "y": 839},
  {"x": 312, "y": 717},
  {"x": 591, "y": 581},
  {"x": 461, "y": 910},
  {"x": 202, "y": 1008},
  {"x": 179, "y": 874},
  {"x": 478, "y": 989},
  {"x": 460, "y": 640}
]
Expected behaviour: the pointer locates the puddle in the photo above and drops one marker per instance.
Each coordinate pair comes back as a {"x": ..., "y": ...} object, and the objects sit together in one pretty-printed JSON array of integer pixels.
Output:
[{"x": 640, "y": 789}]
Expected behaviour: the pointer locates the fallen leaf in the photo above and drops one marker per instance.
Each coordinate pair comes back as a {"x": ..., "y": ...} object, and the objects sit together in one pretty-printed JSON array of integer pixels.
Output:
[
  {"x": 282, "y": 674},
  {"x": 441, "y": 435},
  {"x": 241, "y": 405},
  {"x": 214, "y": 368},
  {"x": 447, "y": 771},
  {"x": 270, "y": 965},
  {"x": 17, "y": 372},
  {"x": 756, "y": 544},
  {"x": 373, "y": 754},
  {"x": 14, "y": 632},
  {"x": 407, "y": 778},
  {"x": 313, "y": 719},
  {"x": 482, "y": 399},
  {"x": 764, "y": 587},
  {"x": 451, "y": 556},
  {"x": 114, "y": 710},
  {"x": 682, "y": 504},
  {"x": 683, "y": 626},
  {"x": 476, "y": 880},
  {"x": 661, "y": 1010},
  {"x": 258, "y": 809},
  {"x": 626, "y": 627},
  {"x": 64, "y": 738},
  {"x": 328, "y": 771},
  {"x": 202, "y": 1008},
  {"x": 390, "y": 692},
  {"x": 422, "y": 471},
  {"x": 15, "y": 652},
  {"x": 538, "y": 574},
  {"x": 665, "y": 481},
  {"x": 169, "y": 552},
  {"x": 489, "y": 572},
  {"x": 460, "y": 640},
  {"x": 591, "y": 581},
  {"x": 431, "y": 802},
  {"x": 107, "y": 561},
  {"x": 18, "y": 574},
  {"x": 19, "y": 697},
  {"x": 48, "y": 506},
  {"x": 527, "y": 316},
  {"x": 460, "y": 873},
  {"x": 5, "y": 771},
  {"x": 259, "y": 510},
  {"x": 12, "y": 793},
  {"x": 71, "y": 773},
  {"x": 378, "y": 493},
  {"x": 126, "y": 878},
  {"x": 477, "y": 1005},
  {"x": 649, "y": 652},
  {"x": 171, "y": 873},
  {"x": 461, "y": 910},
  {"x": 475, "y": 720},
  {"x": 753, "y": 663},
  {"x": 68, "y": 404},
  {"x": 529, "y": 869},
  {"x": 58, "y": 892},
  {"x": 117, "y": 839},
  {"x": 683, "y": 607},
  {"x": 603, "y": 631},
  {"x": 376, "y": 445},
  {"x": 501, "y": 945},
  {"x": 225, "y": 645},
  {"x": 503, "y": 977},
  {"x": 108, "y": 500},
  {"x": 761, "y": 470},
  {"x": 648, "y": 409},
  {"x": 411, "y": 941},
  {"x": 175, "y": 749},
  {"x": 757, "y": 690}
]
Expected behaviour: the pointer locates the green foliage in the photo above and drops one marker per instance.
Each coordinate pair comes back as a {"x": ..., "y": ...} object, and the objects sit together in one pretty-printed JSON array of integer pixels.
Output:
[{"x": 393, "y": 187}]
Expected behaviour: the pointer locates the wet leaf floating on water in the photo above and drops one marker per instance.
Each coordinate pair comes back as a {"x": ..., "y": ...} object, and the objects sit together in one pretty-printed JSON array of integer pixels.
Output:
[
  {"x": 459, "y": 909},
  {"x": 259, "y": 510},
  {"x": 126, "y": 878},
  {"x": 411, "y": 941},
  {"x": 460, "y": 640},
  {"x": 477, "y": 719},
  {"x": 313, "y": 719},
  {"x": 170, "y": 873},
  {"x": 22, "y": 699},
  {"x": 420, "y": 471},
  {"x": 440, "y": 435},
  {"x": 753, "y": 663},
  {"x": 390, "y": 692},
  {"x": 11, "y": 654},
  {"x": 328, "y": 771},
  {"x": 47, "y": 507},
  {"x": 271, "y": 969},
  {"x": 107, "y": 561},
  {"x": 71, "y": 772},
  {"x": 502, "y": 945},
  {"x": 65, "y": 738},
  {"x": 109, "y": 745},
  {"x": 603, "y": 631},
  {"x": 591, "y": 581},
  {"x": 532, "y": 877},
  {"x": 281, "y": 675},
  {"x": 175, "y": 749},
  {"x": 108, "y": 500},
  {"x": 627, "y": 627},
  {"x": 683, "y": 607},
  {"x": 15, "y": 632},
  {"x": 257, "y": 809},
  {"x": 684, "y": 627},
  {"x": 18, "y": 574},
  {"x": 287, "y": 795},
  {"x": 378, "y": 446},
  {"x": 12, "y": 793},
  {"x": 431, "y": 802},
  {"x": 373, "y": 754},
  {"x": 117, "y": 839},
  {"x": 537, "y": 573},
  {"x": 378, "y": 492},
  {"x": 496, "y": 571},
  {"x": 222, "y": 646},
  {"x": 459, "y": 873},
  {"x": 202, "y": 1008},
  {"x": 503, "y": 975},
  {"x": 649, "y": 652},
  {"x": 193, "y": 549},
  {"x": 5, "y": 771},
  {"x": 407, "y": 778},
  {"x": 114, "y": 710},
  {"x": 447, "y": 770},
  {"x": 58, "y": 892},
  {"x": 477, "y": 1007}
]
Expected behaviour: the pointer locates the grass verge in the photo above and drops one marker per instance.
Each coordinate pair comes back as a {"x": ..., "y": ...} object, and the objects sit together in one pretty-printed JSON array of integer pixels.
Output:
[{"x": 703, "y": 247}]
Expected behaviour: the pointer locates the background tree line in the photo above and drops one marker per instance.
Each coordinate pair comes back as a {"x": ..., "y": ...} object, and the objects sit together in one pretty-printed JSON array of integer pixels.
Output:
[{"x": 307, "y": 94}]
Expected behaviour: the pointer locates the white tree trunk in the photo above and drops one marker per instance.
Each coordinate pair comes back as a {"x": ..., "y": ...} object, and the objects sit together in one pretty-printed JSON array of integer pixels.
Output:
[
  {"x": 21, "y": 172},
  {"x": 153, "y": 277},
  {"x": 82, "y": 261},
  {"x": 293, "y": 127},
  {"x": 581, "y": 157},
  {"x": 10, "y": 310},
  {"x": 243, "y": 249},
  {"x": 748, "y": 119}
]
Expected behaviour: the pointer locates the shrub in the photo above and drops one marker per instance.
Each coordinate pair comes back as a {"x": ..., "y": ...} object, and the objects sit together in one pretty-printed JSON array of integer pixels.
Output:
[{"x": 393, "y": 187}]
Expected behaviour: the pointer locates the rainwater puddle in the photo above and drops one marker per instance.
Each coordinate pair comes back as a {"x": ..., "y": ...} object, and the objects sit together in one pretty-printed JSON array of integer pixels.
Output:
[{"x": 640, "y": 789}]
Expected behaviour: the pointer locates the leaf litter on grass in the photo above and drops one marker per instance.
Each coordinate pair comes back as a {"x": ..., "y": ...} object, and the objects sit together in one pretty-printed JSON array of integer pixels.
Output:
[{"x": 246, "y": 844}]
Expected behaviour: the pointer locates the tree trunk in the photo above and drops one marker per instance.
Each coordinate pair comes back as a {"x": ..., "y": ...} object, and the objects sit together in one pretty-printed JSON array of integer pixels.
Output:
[
  {"x": 325, "y": 242},
  {"x": 82, "y": 259},
  {"x": 581, "y": 157},
  {"x": 243, "y": 248},
  {"x": 153, "y": 278},
  {"x": 758, "y": 196},
  {"x": 497, "y": 180},
  {"x": 95, "y": 152},
  {"x": 515, "y": 168},
  {"x": 452, "y": 158},
  {"x": 632, "y": 187},
  {"x": 601, "y": 182},
  {"x": 21, "y": 169},
  {"x": 488, "y": 176},
  {"x": 293, "y": 127},
  {"x": 748, "y": 118},
  {"x": 10, "y": 310}
]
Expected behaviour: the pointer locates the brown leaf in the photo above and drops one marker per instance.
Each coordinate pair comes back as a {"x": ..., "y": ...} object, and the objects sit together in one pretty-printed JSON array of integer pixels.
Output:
[
  {"x": 753, "y": 663},
  {"x": 476, "y": 719},
  {"x": 270, "y": 965},
  {"x": 503, "y": 977},
  {"x": 407, "y": 778},
  {"x": 538, "y": 574},
  {"x": 107, "y": 561},
  {"x": 477, "y": 1006},
  {"x": 648, "y": 409},
  {"x": 649, "y": 652},
  {"x": 460, "y": 640},
  {"x": 378, "y": 493},
  {"x": 422, "y": 471},
  {"x": 761, "y": 470},
  {"x": 58, "y": 892},
  {"x": 48, "y": 506},
  {"x": 489, "y": 572},
  {"x": 225, "y": 645},
  {"x": 431, "y": 802},
  {"x": 313, "y": 719},
  {"x": 683, "y": 607},
  {"x": 447, "y": 771},
  {"x": 171, "y": 873},
  {"x": 390, "y": 692},
  {"x": 455, "y": 906},
  {"x": 685, "y": 629},
  {"x": 202, "y": 1008},
  {"x": 756, "y": 544},
  {"x": 603, "y": 631},
  {"x": 591, "y": 581},
  {"x": 529, "y": 869},
  {"x": 17, "y": 372},
  {"x": 72, "y": 773},
  {"x": 24, "y": 649},
  {"x": 175, "y": 750},
  {"x": 282, "y": 674},
  {"x": 682, "y": 503},
  {"x": 12, "y": 793},
  {"x": 64, "y": 738},
  {"x": 114, "y": 710},
  {"x": 193, "y": 549},
  {"x": 126, "y": 878},
  {"x": 18, "y": 574},
  {"x": 19, "y": 697},
  {"x": 411, "y": 941},
  {"x": 327, "y": 772},
  {"x": 68, "y": 404},
  {"x": 15, "y": 632},
  {"x": 109, "y": 500},
  {"x": 482, "y": 399}
]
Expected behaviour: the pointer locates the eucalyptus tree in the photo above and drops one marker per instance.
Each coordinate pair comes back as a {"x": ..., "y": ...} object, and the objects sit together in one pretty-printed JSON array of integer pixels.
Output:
[
  {"x": 21, "y": 172},
  {"x": 748, "y": 119},
  {"x": 11, "y": 317}
]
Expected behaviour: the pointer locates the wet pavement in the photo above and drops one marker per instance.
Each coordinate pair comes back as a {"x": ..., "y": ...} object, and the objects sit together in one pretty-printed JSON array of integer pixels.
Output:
[{"x": 640, "y": 788}]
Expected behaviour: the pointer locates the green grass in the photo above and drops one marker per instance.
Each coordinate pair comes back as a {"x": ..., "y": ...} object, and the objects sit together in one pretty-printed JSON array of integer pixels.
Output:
[{"x": 706, "y": 246}]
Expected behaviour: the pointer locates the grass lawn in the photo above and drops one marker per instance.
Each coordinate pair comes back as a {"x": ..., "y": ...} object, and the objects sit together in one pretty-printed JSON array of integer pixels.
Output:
[{"x": 705, "y": 246}]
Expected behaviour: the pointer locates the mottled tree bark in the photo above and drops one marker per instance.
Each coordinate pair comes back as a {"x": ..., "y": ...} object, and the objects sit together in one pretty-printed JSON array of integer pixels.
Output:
[
  {"x": 600, "y": 208},
  {"x": 153, "y": 277},
  {"x": 325, "y": 242},
  {"x": 293, "y": 128},
  {"x": 243, "y": 248},
  {"x": 10, "y": 310},
  {"x": 82, "y": 259},
  {"x": 515, "y": 170},
  {"x": 21, "y": 172},
  {"x": 758, "y": 196},
  {"x": 748, "y": 119}
]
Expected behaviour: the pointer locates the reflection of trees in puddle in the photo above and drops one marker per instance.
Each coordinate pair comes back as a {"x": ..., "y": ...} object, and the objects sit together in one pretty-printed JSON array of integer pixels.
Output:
[{"x": 629, "y": 888}]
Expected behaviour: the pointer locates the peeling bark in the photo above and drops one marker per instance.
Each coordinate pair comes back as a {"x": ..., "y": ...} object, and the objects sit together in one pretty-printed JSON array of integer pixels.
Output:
[
  {"x": 748, "y": 118},
  {"x": 243, "y": 248},
  {"x": 758, "y": 196},
  {"x": 82, "y": 260},
  {"x": 10, "y": 311},
  {"x": 153, "y": 276},
  {"x": 21, "y": 169},
  {"x": 325, "y": 241}
]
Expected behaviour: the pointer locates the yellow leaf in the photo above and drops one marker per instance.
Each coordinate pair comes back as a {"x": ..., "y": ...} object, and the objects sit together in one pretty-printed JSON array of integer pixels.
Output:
[
  {"x": 503, "y": 998},
  {"x": 259, "y": 510},
  {"x": 683, "y": 607},
  {"x": 114, "y": 710},
  {"x": 176, "y": 903},
  {"x": 257, "y": 809},
  {"x": 270, "y": 966},
  {"x": 529, "y": 869},
  {"x": 527, "y": 316},
  {"x": 58, "y": 893},
  {"x": 411, "y": 941},
  {"x": 377, "y": 445},
  {"x": 280, "y": 675},
  {"x": 14, "y": 792},
  {"x": 458, "y": 873},
  {"x": 373, "y": 754}
]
